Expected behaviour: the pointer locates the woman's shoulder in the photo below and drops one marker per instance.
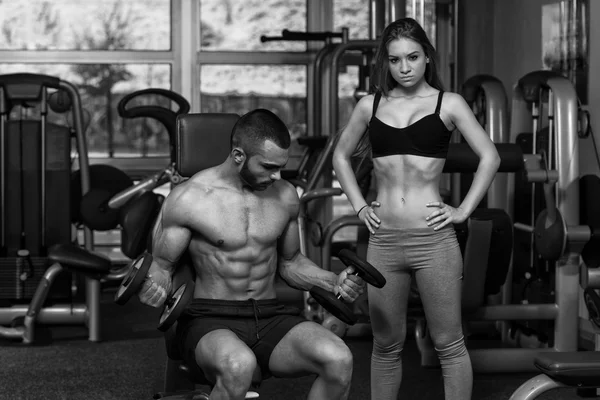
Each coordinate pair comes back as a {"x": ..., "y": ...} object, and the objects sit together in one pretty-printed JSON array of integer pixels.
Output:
[
  {"x": 367, "y": 99},
  {"x": 454, "y": 102},
  {"x": 365, "y": 104},
  {"x": 452, "y": 97}
]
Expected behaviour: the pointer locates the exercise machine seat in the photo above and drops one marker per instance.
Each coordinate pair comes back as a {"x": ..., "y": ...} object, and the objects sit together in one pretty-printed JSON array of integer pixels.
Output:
[
  {"x": 78, "y": 259},
  {"x": 202, "y": 141},
  {"x": 174, "y": 354},
  {"x": 571, "y": 368},
  {"x": 137, "y": 219}
]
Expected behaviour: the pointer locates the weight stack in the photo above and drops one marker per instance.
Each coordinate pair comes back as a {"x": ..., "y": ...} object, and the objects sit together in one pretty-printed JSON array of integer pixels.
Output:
[{"x": 23, "y": 193}]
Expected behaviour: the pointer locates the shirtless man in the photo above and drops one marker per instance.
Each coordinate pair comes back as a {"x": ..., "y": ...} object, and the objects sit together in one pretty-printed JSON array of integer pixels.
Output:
[{"x": 237, "y": 222}]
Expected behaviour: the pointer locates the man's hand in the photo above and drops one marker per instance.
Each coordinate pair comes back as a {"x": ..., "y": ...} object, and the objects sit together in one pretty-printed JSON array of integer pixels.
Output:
[
  {"x": 156, "y": 287},
  {"x": 349, "y": 285}
]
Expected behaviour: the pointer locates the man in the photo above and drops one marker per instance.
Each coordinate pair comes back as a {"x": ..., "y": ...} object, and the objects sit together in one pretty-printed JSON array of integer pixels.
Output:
[{"x": 237, "y": 222}]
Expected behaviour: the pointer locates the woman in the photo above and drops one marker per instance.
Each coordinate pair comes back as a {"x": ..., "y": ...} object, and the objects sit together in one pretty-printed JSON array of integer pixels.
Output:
[{"x": 410, "y": 120}]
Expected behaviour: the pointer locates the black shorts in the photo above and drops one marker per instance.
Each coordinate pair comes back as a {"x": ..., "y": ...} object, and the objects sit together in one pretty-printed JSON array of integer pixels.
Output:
[{"x": 261, "y": 324}]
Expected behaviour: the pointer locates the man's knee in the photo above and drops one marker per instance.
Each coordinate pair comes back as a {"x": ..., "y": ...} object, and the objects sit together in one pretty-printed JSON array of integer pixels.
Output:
[
  {"x": 233, "y": 368},
  {"x": 337, "y": 361},
  {"x": 239, "y": 365}
]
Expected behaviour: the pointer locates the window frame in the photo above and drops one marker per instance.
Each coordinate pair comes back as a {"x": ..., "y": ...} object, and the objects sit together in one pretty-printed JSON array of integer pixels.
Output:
[
  {"x": 179, "y": 57},
  {"x": 185, "y": 59}
]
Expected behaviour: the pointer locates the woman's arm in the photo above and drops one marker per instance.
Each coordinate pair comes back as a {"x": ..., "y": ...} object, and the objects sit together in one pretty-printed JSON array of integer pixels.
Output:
[
  {"x": 346, "y": 145},
  {"x": 463, "y": 118}
]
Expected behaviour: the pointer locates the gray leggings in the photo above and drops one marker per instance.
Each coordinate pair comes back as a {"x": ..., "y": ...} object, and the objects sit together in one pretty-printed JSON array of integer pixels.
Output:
[{"x": 435, "y": 259}]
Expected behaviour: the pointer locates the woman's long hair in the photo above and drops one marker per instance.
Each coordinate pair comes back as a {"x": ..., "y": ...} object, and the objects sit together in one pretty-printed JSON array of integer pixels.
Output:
[{"x": 410, "y": 29}]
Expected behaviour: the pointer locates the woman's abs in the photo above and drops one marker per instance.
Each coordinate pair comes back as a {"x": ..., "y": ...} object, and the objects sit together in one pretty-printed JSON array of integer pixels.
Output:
[{"x": 405, "y": 208}]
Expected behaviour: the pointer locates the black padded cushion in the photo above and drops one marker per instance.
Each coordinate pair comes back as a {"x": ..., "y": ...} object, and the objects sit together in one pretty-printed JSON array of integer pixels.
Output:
[
  {"x": 575, "y": 368},
  {"x": 76, "y": 258},
  {"x": 202, "y": 141},
  {"x": 137, "y": 218},
  {"x": 171, "y": 344},
  {"x": 501, "y": 246}
]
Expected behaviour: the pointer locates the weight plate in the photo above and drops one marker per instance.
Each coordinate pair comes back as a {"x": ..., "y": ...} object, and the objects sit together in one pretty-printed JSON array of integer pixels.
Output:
[
  {"x": 335, "y": 306},
  {"x": 134, "y": 279},
  {"x": 366, "y": 271},
  {"x": 550, "y": 241},
  {"x": 175, "y": 306}
]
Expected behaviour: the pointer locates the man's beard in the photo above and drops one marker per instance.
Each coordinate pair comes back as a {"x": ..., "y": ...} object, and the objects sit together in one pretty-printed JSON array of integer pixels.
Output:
[{"x": 249, "y": 179}]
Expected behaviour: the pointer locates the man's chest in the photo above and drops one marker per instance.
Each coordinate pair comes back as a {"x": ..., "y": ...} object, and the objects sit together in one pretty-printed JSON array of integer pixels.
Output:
[{"x": 233, "y": 223}]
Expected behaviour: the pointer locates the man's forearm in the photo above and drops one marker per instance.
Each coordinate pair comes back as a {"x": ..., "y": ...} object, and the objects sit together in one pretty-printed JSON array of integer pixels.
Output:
[
  {"x": 301, "y": 273},
  {"x": 163, "y": 262}
]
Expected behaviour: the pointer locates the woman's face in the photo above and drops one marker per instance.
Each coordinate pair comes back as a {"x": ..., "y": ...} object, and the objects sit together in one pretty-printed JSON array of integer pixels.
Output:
[{"x": 407, "y": 61}]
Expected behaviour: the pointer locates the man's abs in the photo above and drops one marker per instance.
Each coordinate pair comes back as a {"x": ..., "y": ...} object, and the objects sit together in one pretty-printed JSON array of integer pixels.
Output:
[
  {"x": 233, "y": 275},
  {"x": 234, "y": 244}
]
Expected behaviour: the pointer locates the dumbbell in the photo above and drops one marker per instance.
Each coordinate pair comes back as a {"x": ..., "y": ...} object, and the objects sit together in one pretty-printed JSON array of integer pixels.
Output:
[
  {"x": 133, "y": 281},
  {"x": 334, "y": 303}
]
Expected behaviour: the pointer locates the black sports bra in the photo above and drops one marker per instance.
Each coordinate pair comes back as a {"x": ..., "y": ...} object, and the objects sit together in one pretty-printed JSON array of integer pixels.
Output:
[{"x": 427, "y": 137}]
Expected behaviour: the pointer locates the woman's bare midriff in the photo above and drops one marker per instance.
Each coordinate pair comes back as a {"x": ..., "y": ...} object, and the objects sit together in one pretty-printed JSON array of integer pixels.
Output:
[{"x": 405, "y": 184}]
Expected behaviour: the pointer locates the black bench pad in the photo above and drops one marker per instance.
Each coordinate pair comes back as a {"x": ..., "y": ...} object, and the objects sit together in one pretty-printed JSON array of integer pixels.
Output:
[
  {"x": 78, "y": 259},
  {"x": 576, "y": 368}
]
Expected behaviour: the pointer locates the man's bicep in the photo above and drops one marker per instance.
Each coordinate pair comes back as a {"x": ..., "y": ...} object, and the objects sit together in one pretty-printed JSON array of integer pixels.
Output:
[
  {"x": 289, "y": 242},
  {"x": 171, "y": 237}
]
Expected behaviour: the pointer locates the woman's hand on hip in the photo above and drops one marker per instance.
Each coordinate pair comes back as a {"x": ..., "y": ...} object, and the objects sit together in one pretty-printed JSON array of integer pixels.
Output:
[
  {"x": 369, "y": 217},
  {"x": 444, "y": 215}
]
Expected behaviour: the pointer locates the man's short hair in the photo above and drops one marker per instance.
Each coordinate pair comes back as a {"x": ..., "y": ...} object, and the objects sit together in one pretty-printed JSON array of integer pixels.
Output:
[{"x": 257, "y": 126}]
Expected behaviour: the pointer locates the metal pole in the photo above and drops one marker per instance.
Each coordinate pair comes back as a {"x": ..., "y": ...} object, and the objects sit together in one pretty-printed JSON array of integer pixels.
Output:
[
  {"x": 3, "y": 119},
  {"x": 92, "y": 285},
  {"x": 318, "y": 103},
  {"x": 44, "y": 115},
  {"x": 567, "y": 201},
  {"x": 376, "y": 17},
  {"x": 396, "y": 10},
  {"x": 333, "y": 81}
]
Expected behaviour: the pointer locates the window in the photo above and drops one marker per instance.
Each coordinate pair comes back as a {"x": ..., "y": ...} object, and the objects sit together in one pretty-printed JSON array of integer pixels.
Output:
[
  {"x": 85, "y": 25},
  {"x": 101, "y": 87},
  {"x": 424, "y": 12},
  {"x": 355, "y": 14},
  {"x": 107, "y": 49},
  {"x": 237, "y": 25},
  {"x": 241, "y": 88},
  {"x": 352, "y": 14}
]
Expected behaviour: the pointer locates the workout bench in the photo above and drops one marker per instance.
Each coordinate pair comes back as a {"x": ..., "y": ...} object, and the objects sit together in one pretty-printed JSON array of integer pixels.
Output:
[
  {"x": 36, "y": 243},
  {"x": 41, "y": 198}
]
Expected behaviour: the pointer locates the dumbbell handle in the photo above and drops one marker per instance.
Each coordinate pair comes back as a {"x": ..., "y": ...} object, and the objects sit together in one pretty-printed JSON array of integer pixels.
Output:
[
  {"x": 355, "y": 273},
  {"x": 169, "y": 301}
]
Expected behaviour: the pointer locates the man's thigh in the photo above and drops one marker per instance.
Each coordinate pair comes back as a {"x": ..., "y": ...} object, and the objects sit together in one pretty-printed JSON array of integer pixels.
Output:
[
  {"x": 304, "y": 350},
  {"x": 206, "y": 341}
]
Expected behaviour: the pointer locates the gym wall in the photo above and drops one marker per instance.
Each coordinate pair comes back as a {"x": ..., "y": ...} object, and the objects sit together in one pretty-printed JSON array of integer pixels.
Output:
[{"x": 504, "y": 38}]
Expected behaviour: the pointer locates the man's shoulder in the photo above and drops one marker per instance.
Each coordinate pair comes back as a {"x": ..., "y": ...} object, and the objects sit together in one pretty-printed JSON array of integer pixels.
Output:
[
  {"x": 287, "y": 196},
  {"x": 286, "y": 191},
  {"x": 189, "y": 193}
]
